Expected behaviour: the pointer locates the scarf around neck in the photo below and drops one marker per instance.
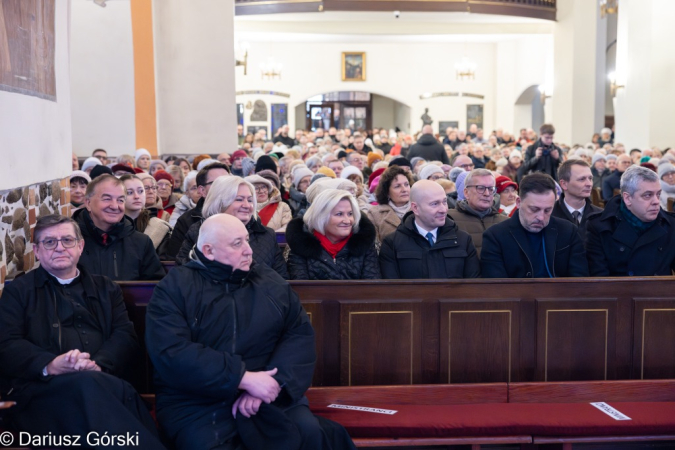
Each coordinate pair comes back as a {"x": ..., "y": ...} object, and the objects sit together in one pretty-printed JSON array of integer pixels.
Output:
[
  {"x": 634, "y": 221},
  {"x": 332, "y": 248},
  {"x": 400, "y": 210}
]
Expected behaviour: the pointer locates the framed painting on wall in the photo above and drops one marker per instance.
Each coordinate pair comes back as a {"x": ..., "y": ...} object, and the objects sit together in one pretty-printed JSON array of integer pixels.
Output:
[
  {"x": 474, "y": 115},
  {"x": 353, "y": 66},
  {"x": 443, "y": 125}
]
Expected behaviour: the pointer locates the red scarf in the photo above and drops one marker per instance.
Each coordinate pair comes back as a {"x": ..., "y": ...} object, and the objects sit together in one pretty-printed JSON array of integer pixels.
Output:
[
  {"x": 332, "y": 249},
  {"x": 267, "y": 212}
]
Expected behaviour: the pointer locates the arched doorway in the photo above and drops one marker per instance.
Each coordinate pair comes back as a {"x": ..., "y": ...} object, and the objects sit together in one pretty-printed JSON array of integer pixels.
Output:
[
  {"x": 352, "y": 109},
  {"x": 529, "y": 110}
]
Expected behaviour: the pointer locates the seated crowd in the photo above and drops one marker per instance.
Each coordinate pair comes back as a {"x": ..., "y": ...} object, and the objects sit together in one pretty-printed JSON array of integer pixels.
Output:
[{"x": 232, "y": 347}]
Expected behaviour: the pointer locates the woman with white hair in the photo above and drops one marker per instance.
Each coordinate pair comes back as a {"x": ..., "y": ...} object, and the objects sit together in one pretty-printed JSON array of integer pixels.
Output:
[
  {"x": 332, "y": 241},
  {"x": 273, "y": 213},
  {"x": 301, "y": 176},
  {"x": 515, "y": 163},
  {"x": 187, "y": 201},
  {"x": 236, "y": 196},
  {"x": 354, "y": 175}
]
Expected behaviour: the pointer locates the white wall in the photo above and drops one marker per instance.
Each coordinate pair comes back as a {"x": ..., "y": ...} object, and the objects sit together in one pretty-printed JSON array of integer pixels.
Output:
[
  {"x": 383, "y": 112},
  {"x": 402, "y": 72},
  {"x": 35, "y": 134},
  {"x": 194, "y": 54},
  {"x": 102, "y": 78},
  {"x": 520, "y": 64}
]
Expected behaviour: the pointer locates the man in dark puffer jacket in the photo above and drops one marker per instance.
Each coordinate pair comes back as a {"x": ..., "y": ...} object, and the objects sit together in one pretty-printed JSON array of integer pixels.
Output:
[{"x": 408, "y": 252}]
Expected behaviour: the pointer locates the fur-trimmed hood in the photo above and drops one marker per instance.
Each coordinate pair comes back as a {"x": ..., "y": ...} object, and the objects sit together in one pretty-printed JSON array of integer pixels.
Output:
[{"x": 304, "y": 244}]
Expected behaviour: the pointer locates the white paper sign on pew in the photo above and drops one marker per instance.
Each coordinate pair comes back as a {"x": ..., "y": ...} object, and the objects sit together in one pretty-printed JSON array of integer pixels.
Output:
[{"x": 611, "y": 412}]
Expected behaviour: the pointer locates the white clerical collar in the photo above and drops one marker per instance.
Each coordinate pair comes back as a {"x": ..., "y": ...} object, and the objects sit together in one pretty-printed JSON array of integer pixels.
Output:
[
  {"x": 68, "y": 280},
  {"x": 424, "y": 232}
]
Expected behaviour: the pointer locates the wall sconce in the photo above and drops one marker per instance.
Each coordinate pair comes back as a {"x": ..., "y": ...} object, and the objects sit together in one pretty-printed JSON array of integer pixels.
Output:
[
  {"x": 613, "y": 87},
  {"x": 608, "y": 7},
  {"x": 242, "y": 62},
  {"x": 544, "y": 93}
]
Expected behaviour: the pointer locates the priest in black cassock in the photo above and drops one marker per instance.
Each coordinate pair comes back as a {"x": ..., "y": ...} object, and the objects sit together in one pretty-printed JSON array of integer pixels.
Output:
[{"x": 65, "y": 337}]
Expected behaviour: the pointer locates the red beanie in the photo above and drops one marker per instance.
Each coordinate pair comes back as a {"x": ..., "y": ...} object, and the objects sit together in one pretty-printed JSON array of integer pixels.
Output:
[
  {"x": 239, "y": 154},
  {"x": 162, "y": 175}
]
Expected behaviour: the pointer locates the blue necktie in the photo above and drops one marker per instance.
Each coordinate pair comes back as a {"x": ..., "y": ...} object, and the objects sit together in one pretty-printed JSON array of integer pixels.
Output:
[{"x": 430, "y": 238}]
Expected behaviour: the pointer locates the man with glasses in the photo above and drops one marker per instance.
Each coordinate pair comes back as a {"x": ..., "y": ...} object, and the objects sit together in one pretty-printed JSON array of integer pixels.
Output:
[
  {"x": 532, "y": 244},
  {"x": 633, "y": 236},
  {"x": 205, "y": 179},
  {"x": 464, "y": 162},
  {"x": 114, "y": 247},
  {"x": 101, "y": 154},
  {"x": 65, "y": 338},
  {"x": 477, "y": 213}
]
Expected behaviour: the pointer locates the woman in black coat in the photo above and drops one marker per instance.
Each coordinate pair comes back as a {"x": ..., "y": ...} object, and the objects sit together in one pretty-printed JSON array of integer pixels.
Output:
[
  {"x": 332, "y": 241},
  {"x": 236, "y": 196}
]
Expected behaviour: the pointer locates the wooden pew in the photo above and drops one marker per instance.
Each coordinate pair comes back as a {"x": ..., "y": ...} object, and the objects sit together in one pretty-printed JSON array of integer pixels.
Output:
[{"x": 480, "y": 331}]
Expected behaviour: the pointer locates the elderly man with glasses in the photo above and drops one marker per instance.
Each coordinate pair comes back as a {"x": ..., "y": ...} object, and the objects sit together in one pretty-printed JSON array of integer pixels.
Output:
[
  {"x": 65, "y": 339},
  {"x": 478, "y": 212}
]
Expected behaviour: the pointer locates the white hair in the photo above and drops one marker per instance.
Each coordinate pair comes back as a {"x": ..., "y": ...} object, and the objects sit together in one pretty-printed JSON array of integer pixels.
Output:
[
  {"x": 318, "y": 214},
  {"x": 192, "y": 175}
]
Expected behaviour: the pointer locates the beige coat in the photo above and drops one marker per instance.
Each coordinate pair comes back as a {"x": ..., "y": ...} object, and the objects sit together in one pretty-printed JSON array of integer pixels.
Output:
[
  {"x": 385, "y": 220},
  {"x": 281, "y": 216},
  {"x": 156, "y": 230},
  {"x": 473, "y": 224}
]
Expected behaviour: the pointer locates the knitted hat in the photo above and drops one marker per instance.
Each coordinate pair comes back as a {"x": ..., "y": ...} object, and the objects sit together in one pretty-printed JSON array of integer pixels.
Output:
[
  {"x": 430, "y": 169},
  {"x": 597, "y": 157},
  {"x": 247, "y": 166},
  {"x": 610, "y": 156},
  {"x": 351, "y": 170},
  {"x": 80, "y": 174},
  {"x": 454, "y": 173},
  {"x": 317, "y": 176},
  {"x": 645, "y": 159},
  {"x": 649, "y": 166},
  {"x": 299, "y": 174},
  {"x": 205, "y": 162},
  {"x": 415, "y": 161},
  {"x": 123, "y": 168},
  {"x": 157, "y": 162},
  {"x": 199, "y": 158},
  {"x": 163, "y": 175},
  {"x": 265, "y": 163},
  {"x": 239, "y": 154},
  {"x": 253, "y": 179},
  {"x": 140, "y": 152},
  {"x": 326, "y": 171},
  {"x": 502, "y": 182},
  {"x": 271, "y": 176},
  {"x": 515, "y": 153},
  {"x": 100, "y": 170},
  {"x": 460, "y": 185},
  {"x": 401, "y": 161},
  {"x": 374, "y": 175},
  {"x": 90, "y": 162},
  {"x": 664, "y": 169},
  {"x": 372, "y": 157}
]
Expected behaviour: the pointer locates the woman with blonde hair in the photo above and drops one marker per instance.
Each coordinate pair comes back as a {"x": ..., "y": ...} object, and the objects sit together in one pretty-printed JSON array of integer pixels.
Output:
[
  {"x": 236, "y": 196},
  {"x": 332, "y": 241}
]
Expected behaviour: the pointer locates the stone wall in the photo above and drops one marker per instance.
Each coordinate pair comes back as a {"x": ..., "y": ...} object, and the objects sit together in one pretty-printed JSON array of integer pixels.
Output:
[{"x": 19, "y": 210}]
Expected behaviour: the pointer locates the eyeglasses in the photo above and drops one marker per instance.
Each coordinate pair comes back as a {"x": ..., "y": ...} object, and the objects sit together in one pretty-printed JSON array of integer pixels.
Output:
[
  {"x": 51, "y": 243},
  {"x": 466, "y": 166},
  {"x": 482, "y": 189},
  {"x": 261, "y": 188},
  {"x": 150, "y": 188}
]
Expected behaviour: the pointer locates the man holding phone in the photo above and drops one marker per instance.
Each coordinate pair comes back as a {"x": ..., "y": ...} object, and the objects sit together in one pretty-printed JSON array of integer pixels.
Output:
[{"x": 543, "y": 156}]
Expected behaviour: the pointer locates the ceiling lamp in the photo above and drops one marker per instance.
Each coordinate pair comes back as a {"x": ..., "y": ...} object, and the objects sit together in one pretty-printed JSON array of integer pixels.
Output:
[
  {"x": 465, "y": 69},
  {"x": 608, "y": 7},
  {"x": 271, "y": 69}
]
